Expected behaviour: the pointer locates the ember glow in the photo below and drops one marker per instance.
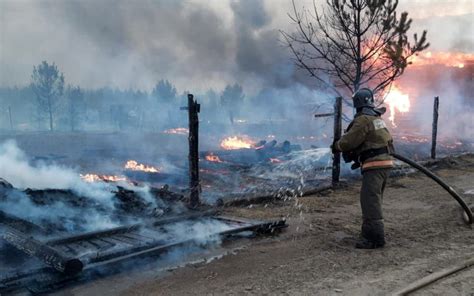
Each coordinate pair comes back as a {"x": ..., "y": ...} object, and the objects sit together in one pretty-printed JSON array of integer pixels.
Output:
[
  {"x": 448, "y": 59},
  {"x": 135, "y": 166},
  {"x": 237, "y": 142},
  {"x": 177, "y": 131},
  {"x": 397, "y": 102},
  {"x": 90, "y": 178},
  {"x": 213, "y": 158}
]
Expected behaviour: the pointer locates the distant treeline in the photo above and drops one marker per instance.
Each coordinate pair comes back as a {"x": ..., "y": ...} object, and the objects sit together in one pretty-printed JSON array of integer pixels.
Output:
[{"x": 49, "y": 103}]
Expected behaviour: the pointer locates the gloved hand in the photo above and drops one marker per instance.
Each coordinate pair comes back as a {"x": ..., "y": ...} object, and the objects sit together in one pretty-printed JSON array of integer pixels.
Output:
[{"x": 334, "y": 150}]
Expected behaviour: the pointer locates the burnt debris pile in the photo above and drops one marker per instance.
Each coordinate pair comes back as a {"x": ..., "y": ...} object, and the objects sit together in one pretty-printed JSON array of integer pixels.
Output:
[
  {"x": 51, "y": 237},
  {"x": 59, "y": 211}
]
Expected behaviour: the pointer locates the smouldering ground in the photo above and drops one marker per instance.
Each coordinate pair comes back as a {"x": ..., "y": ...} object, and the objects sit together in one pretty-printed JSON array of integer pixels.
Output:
[{"x": 315, "y": 256}]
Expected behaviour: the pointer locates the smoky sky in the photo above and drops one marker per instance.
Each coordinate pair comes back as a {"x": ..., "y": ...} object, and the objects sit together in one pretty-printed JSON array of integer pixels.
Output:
[{"x": 196, "y": 44}]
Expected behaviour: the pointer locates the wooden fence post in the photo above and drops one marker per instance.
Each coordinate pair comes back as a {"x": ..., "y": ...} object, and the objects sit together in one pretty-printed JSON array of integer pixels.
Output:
[
  {"x": 434, "y": 133},
  {"x": 336, "y": 164}
]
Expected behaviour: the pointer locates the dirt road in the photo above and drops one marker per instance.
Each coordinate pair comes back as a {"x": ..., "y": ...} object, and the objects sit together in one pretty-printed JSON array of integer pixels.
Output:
[{"x": 315, "y": 255}]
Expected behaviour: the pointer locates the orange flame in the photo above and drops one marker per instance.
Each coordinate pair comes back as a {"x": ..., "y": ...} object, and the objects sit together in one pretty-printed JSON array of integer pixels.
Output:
[
  {"x": 397, "y": 102},
  {"x": 213, "y": 158},
  {"x": 90, "y": 178},
  {"x": 449, "y": 59},
  {"x": 135, "y": 166},
  {"x": 237, "y": 142}
]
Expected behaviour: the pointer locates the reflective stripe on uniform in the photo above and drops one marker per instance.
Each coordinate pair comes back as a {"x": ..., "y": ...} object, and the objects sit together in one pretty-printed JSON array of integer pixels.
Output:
[{"x": 377, "y": 163}]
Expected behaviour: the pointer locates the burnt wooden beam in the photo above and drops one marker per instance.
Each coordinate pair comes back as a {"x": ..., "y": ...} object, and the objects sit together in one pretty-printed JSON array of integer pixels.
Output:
[
  {"x": 129, "y": 228},
  {"x": 336, "y": 164},
  {"x": 20, "y": 224},
  {"x": 46, "y": 254},
  {"x": 158, "y": 247},
  {"x": 434, "y": 133},
  {"x": 194, "y": 184},
  {"x": 323, "y": 115}
]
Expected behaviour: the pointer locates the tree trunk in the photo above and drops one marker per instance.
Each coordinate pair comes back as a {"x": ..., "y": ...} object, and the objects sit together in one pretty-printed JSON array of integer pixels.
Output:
[{"x": 50, "y": 111}]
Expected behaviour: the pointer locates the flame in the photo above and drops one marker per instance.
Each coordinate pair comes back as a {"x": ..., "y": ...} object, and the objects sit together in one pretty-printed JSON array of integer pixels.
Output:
[
  {"x": 397, "y": 102},
  {"x": 237, "y": 142},
  {"x": 213, "y": 158},
  {"x": 90, "y": 178},
  {"x": 177, "y": 131},
  {"x": 449, "y": 59},
  {"x": 135, "y": 166}
]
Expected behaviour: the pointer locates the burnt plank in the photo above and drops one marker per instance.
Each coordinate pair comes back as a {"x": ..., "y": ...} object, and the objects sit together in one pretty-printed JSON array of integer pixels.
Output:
[{"x": 46, "y": 254}]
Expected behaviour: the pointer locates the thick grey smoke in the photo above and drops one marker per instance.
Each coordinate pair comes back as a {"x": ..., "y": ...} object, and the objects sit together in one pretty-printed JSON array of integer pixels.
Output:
[
  {"x": 196, "y": 44},
  {"x": 16, "y": 169}
]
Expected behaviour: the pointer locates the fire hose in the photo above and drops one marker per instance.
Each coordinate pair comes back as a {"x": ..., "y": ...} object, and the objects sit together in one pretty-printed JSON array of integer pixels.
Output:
[{"x": 467, "y": 211}]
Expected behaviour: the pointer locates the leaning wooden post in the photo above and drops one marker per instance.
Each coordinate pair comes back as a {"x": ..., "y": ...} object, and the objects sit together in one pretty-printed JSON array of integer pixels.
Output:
[
  {"x": 336, "y": 163},
  {"x": 434, "y": 133},
  {"x": 194, "y": 185}
]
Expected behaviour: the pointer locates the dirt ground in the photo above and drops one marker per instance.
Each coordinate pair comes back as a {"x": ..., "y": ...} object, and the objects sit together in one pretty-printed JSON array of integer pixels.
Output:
[{"x": 315, "y": 255}]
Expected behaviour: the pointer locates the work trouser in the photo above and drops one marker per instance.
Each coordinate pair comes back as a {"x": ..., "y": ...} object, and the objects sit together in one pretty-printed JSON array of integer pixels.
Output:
[{"x": 371, "y": 198}]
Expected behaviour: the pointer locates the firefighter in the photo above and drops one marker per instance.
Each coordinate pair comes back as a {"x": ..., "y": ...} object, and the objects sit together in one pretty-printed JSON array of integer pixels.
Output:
[{"x": 368, "y": 143}]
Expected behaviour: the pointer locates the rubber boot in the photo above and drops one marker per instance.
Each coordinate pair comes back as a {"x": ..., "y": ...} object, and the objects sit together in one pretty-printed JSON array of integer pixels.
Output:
[{"x": 373, "y": 235}]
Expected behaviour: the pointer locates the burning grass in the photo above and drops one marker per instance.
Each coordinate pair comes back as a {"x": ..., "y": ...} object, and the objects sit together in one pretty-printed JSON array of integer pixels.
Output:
[
  {"x": 449, "y": 59},
  {"x": 135, "y": 166},
  {"x": 237, "y": 142}
]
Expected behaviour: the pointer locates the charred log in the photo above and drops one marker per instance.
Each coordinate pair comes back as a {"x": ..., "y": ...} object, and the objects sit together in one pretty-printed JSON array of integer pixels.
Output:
[
  {"x": 163, "y": 178},
  {"x": 46, "y": 254},
  {"x": 50, "y": 196},
  {"x": 20, "y": 224}
]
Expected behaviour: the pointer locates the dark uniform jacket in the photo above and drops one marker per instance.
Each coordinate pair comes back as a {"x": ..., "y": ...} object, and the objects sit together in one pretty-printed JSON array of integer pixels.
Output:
[{"x": 367, "y": 132}]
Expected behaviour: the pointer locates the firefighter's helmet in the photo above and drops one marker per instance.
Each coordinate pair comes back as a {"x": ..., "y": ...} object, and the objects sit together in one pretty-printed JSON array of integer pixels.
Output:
[{"x": 364, "y": 97}]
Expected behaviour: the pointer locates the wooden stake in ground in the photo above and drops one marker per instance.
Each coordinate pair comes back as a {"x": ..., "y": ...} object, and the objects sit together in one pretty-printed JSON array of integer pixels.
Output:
[
  {"x": 434, "y": 133},
  {"x": 194, "y": 185},
  {"x": 336, "y": 164}
]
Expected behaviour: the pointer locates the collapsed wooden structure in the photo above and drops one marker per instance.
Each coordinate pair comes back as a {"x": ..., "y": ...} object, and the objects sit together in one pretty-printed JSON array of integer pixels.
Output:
[{"x": 74, "y": 258}]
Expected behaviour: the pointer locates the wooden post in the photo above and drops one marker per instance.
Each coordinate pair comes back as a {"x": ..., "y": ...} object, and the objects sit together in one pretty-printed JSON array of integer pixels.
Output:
[
  {"x": 10, "y": 115},
  {"x": 434, "y": 133},
  {"x": 336, "y": 164},
  {"x": 194, "y": 184}
]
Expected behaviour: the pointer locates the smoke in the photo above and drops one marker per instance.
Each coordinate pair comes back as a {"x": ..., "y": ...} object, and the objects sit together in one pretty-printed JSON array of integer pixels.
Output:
[
  {"x": 97, "y": 213},
  {"x": 133, "y": 44},
  {"x": 21, "y": 174}
]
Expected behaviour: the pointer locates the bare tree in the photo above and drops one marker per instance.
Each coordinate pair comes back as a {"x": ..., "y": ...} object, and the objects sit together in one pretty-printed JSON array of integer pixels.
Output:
[
  {"x": 352, "y": 43},
  {"x": 231, "y": 99},
  {"x": 48, "y": 84}
]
